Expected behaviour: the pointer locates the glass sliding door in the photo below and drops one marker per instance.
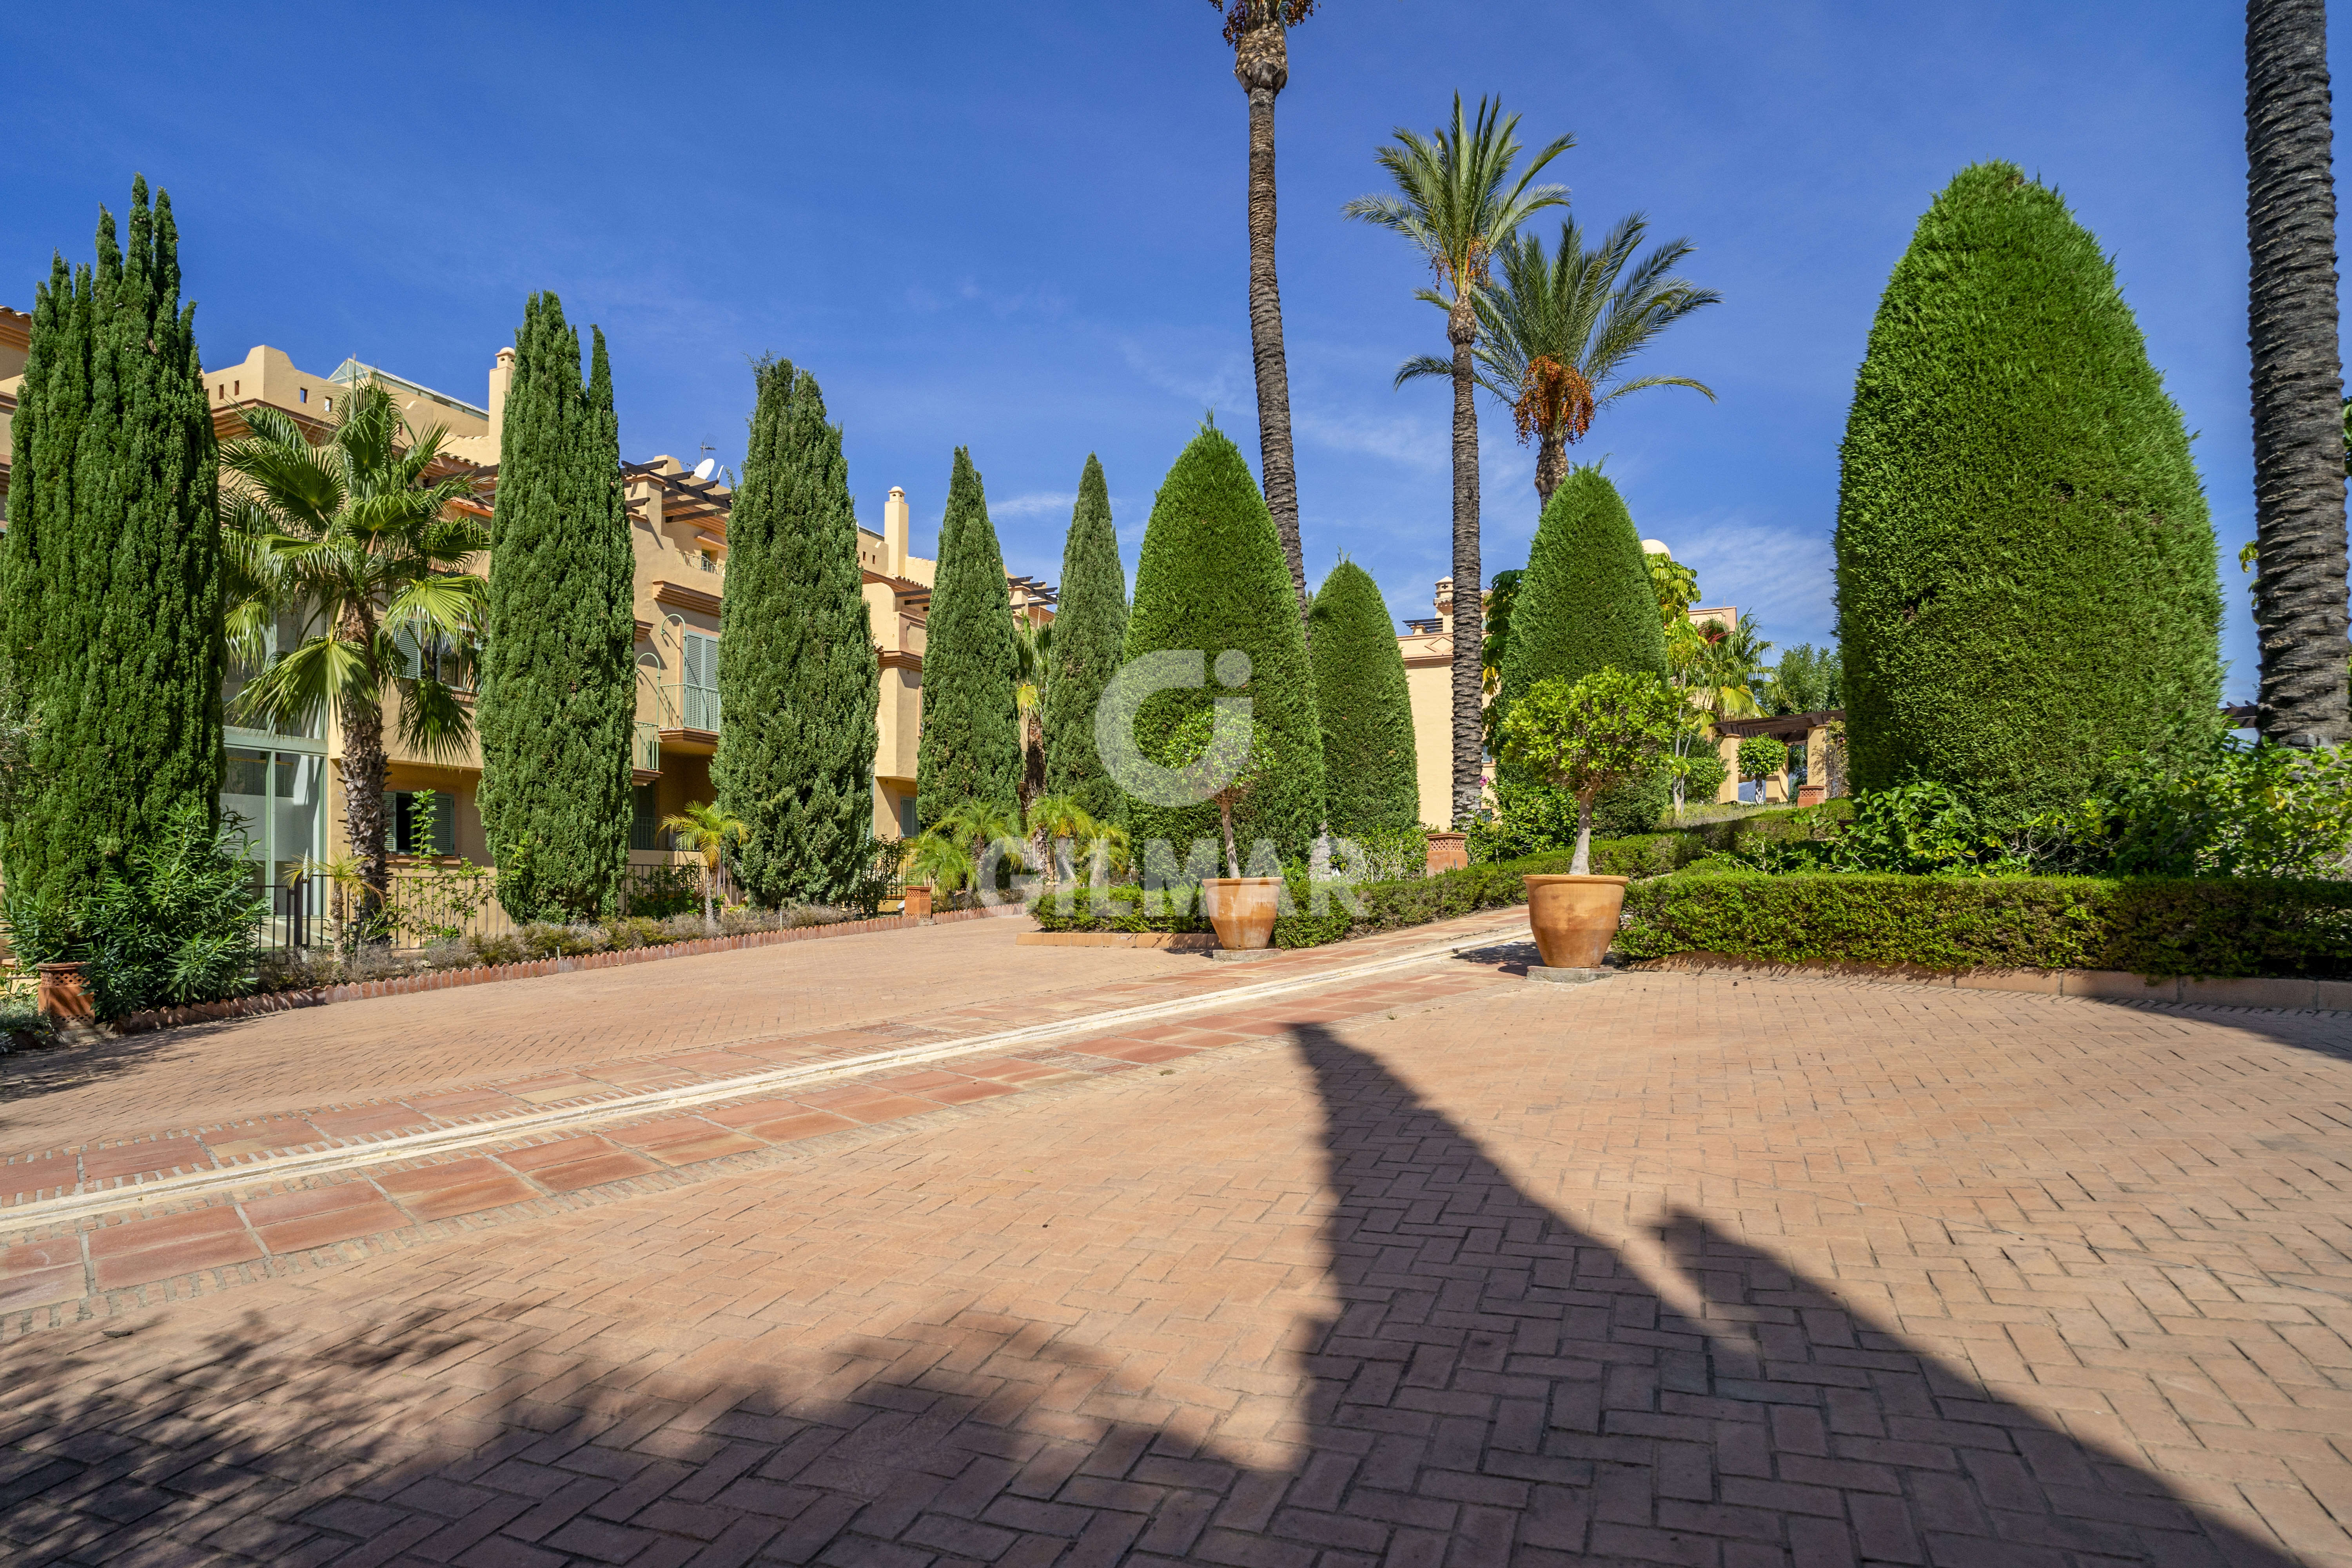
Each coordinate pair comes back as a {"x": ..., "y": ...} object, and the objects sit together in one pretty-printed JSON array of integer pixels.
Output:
[{"x": 278, "y": 799}]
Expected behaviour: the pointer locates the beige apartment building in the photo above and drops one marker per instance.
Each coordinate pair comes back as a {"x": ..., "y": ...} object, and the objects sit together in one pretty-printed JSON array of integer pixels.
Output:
[
  {"x": 1427, "y": 644},
  {"x": 285, "y": 785}
]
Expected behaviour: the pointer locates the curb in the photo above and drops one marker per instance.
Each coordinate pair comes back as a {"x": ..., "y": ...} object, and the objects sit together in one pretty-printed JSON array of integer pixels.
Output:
[
  {"x": 2101, "y": 985},
  {"x": 528, "y": 969},
  {"x": 1172, "y": 941}
]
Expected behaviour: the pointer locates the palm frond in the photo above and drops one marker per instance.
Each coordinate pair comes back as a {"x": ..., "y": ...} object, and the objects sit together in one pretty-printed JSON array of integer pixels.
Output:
[{"x": 433, "y": 724}]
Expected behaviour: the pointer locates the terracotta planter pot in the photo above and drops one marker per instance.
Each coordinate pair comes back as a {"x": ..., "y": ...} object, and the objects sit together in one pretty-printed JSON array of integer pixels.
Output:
[
  {"x": 918, "y": 905},
  {"x": 1448, "y": 852},
  {"x": 1575, "y": 918},
  {"x": 1243, "y": 910},
  {"x": 1812, "y": 795}
]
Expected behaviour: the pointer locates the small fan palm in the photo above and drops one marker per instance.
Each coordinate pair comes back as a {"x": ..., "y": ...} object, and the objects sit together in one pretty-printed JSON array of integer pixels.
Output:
[
  {"x": 1457, "y": 200},
  {"x": 705, "y": 828},
  {"x": 358, "y": 538},
  {"x": 1554, "y": 339},
  {"x": 947, "y": 853},
  {"x": 1053, "y": 818}
]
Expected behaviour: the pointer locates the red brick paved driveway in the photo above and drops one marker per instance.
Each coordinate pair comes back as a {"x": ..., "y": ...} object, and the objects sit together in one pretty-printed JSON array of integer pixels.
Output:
[{"x": 1665, "y": 1270}]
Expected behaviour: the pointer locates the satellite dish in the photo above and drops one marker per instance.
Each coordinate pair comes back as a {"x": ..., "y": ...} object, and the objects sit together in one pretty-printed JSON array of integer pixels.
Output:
[{"x": 705, "y": 468}]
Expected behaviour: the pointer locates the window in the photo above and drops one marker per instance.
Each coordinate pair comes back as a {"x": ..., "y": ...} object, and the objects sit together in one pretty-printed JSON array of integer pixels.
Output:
[
  {"x": 301, "y": 395},
  {"x": 645, "y": 819},
  {"x": 449, "y": 666},
  {"x": 291, "y": 629},
  {"x": 329, "y": 403},
  {"x": 277, "y": 798},
  {"x": 908, "y": 826},
  {"x": 405, "y": 826}
]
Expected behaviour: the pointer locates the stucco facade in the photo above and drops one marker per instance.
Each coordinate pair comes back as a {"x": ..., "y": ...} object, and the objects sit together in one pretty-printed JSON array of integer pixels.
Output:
[{"x": 285, "y": 785}]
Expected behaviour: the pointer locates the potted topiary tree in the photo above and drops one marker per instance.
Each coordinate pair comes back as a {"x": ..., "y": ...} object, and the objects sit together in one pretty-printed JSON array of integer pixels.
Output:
[
  {"x": 1223, "y": 763},
  {"x": 1584, "y": 739}
]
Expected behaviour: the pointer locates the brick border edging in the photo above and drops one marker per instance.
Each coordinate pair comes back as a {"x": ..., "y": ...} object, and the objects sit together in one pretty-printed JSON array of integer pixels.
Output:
[
  {"x": 2101, "y": 985},
  {"x": 528, "y": 969}
]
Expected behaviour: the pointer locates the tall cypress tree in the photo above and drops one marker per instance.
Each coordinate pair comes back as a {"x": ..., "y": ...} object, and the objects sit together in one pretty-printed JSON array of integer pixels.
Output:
[
  {"x": 111, "y": 584},
  {"x": 1213, "y": 577},
  {"x": 1371, "y": 779},
  {"x": 972, "y": 737},
  {"x": 2025, "y": 569},
  {"x": 558, "y": 678},
  {"x": 1089, "y": 626},
  {"x": 1587, "y": 603},
  {"x": 799, "y": 683}
]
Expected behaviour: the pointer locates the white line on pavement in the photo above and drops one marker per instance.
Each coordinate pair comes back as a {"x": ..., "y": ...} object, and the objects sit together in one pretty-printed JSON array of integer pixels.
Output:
[{"x": 441, "y": 1140}]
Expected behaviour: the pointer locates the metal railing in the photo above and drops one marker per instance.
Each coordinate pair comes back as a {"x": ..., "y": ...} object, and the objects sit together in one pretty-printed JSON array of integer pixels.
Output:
[
  {"x": 688, "y": 707},
  {"x": 292, "y": 922},
  {"x": 428, "y": 903}
]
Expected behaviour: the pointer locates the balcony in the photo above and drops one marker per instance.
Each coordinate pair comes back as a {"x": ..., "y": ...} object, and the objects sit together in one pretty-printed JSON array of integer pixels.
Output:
[
  {"x": 645, "y": 752},
  {"x": 690, "y": 717}
]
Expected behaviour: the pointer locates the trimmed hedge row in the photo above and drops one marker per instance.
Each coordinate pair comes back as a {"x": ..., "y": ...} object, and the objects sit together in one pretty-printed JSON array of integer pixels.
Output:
[
  {"x": 1387, "y": 906},
  {"x": 2155, "y": 927}
]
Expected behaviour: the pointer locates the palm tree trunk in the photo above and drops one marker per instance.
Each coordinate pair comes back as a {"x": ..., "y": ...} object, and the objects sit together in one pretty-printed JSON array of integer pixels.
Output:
[
  {"x": 1261, "y": 64},
  {"x": 1551, "y": 464},
  {"x": 2299, "y": 587},
  {"x": 1469, "y": 609},
  {"x": 363, "y": 769}
]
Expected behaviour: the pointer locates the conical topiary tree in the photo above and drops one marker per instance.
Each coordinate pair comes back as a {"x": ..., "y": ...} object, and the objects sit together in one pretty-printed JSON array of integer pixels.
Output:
[
  {"x": 799, "y": 683},
  {"x": 1213, "y": 579},
  {"x": 558, "y": 672},
  {"x": 1372, "y": 779},
  {"x": 1089, "y": 627},
  {"x": 2026, "y": 577},
  {"x": 970, "y": 750},
  {"x": 1585, "y": 603},
  {"x": 111, "y": 574}
]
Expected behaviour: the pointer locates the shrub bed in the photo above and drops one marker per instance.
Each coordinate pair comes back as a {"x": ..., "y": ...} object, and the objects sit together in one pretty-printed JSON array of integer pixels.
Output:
[
  {"x": 311, "y": 969},
  {"x": 2162, "y": 927},
  {"x": 1387, "y": 906}
]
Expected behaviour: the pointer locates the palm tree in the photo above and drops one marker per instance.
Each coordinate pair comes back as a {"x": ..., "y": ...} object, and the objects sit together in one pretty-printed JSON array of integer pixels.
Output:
[
  {"x": 706, "y": 829},
  {"x": 1033, "y": 654},
  {"x": 1456, "y": 201},
  {"x": 1555, "y": 338},
  {"x": 356, "y": 541},
  {"x": 1716, "y": 670},
  {"x": 2299, "y": 588},
  {"x": 1257, "y": 31}
]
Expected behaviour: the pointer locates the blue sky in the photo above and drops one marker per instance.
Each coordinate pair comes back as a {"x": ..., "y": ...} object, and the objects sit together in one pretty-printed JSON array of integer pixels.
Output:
[{"x": 1020, "y": 227}]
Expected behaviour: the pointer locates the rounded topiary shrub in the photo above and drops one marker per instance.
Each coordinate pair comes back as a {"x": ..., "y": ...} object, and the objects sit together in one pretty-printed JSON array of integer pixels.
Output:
[
  {"x": 2025, "y": 569},
  {"x": 1585, "y": 603}
]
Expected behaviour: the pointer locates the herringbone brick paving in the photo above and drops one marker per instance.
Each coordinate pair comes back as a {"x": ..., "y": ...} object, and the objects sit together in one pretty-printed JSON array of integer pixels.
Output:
[
  {"x": 1671, "y": 1270},
  {"x": 391, "y": 1046}
]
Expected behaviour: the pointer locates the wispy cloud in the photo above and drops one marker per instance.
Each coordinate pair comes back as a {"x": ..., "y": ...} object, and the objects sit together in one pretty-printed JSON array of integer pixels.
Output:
[
  {"x": 1202, "y": 368},
  {"x": 1785, "y": 574},
  {"x": 1416, "y": 443},
  {"x": 1035, "y": 504}
]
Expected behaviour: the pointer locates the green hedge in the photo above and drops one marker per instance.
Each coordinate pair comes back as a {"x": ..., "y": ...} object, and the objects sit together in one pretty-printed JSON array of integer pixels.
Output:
[
  {"x": 1387, "y": 906},
  {"x": 2153, "y": 927}
]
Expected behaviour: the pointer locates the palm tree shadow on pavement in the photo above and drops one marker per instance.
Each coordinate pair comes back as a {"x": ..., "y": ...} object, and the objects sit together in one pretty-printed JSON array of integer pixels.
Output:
[{"x": 1497, "y": 1386}]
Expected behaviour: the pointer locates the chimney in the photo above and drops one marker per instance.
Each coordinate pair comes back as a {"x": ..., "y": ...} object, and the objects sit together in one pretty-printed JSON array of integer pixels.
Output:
[
  {"x": 1445, "y": 603},
  {"x": 501, "y": 372},
  {"x": 895, "y": 528}
]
